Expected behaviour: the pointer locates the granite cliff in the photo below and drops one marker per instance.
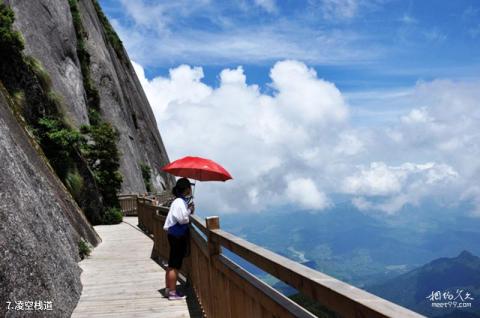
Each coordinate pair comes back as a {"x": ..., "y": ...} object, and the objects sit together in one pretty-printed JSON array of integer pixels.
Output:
[
  {"x": 49, "y": 33},
  {"x": 40, "y": 225},
  {"x": 66, "y": 86}
]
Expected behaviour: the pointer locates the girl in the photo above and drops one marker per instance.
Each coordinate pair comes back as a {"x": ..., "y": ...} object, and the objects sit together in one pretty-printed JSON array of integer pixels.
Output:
[{"x": 176, "y": 226}]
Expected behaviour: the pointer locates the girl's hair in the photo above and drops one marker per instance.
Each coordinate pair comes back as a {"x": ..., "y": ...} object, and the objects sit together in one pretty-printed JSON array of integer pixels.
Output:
[{"x": 182, "y": 185}]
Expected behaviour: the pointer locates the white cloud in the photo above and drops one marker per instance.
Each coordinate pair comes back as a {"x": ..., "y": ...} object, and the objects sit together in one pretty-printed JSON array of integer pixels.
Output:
[
  {"x": 362, "y": 204},
  {"x": 378, "y": 179},
  {"x": 301, "y": 137},
  {"x": 163, "y": 34},
  {"x": 472, "y": 194},
  {"x": 451, "y": 134},
  {"x": 268, "y": 5},
  {"x": 433, "y": 121},
  {"x": 340, "y": 10},
  {"x": 306, "y": 97},
  {"x": 304, "y": 193},
  {"x": 257, "y": 137},
  {"x": 233, "y": 77},
  {"x": 435, "y": 35},
  {"x": 417, "y": 116},
  {"x": 349, "y": 144},
  {"x": 408, "y": 19},
  {"x": 184, "y": 86},
  {"x": 398, "y": 185},
  {"x": 337, "y": 9}
]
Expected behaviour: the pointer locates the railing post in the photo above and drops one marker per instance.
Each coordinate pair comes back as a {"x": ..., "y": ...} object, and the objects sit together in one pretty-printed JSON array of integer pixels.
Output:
[{"x": 213, "y": 223}]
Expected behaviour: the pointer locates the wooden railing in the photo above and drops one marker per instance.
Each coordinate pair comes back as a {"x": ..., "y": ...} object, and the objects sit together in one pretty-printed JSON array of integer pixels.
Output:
[
  {"x": 128, "y": 204},
  {"x": 225, "y": 289}
]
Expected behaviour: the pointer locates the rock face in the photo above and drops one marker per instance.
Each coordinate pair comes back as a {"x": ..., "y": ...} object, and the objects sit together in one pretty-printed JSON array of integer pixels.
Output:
[
  {"x": 40, "y": 223},
  {"x": 125, "y": 105},
  {"x": 40, "y": 226},
  {"x": 50, "y": 37}
]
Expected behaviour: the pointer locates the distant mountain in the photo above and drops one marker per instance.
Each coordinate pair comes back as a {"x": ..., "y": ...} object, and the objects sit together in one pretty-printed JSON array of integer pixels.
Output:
[
  {"x": 447, "y": 280},
  {"x": 360, "y": 248}
]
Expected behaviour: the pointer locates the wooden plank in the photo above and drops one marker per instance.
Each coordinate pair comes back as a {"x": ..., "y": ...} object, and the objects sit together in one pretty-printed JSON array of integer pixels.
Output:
[
  {"x": 200, "y": 242},
  {"x": 336, "y": 295},
  {"x": 225, "y": 300},
  {"x": 275, "y": 302},
  {"x": 120, "y": 280},
  {"x": 237, "y": 294}
]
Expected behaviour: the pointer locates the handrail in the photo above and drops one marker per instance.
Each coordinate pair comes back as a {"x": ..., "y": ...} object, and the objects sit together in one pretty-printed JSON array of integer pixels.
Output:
[
  {"x": 199, "y": 223},
  {"x": 346, "y": 299},
  {"x": 224, "y": 289},
  {"x": 128, "y": 204},
  {"x": 250, "y": 281}
]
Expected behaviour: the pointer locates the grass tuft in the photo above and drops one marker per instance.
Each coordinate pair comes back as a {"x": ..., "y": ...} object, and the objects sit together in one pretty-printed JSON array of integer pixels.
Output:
[{"x": 84, "y": 248}]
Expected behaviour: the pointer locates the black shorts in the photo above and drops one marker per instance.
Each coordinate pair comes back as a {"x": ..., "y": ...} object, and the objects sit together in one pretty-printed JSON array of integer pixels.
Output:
[{"x": 178, "y": 250}]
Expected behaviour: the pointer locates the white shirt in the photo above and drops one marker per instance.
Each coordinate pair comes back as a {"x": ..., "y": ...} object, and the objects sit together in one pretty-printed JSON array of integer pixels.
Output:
[{"x": 178, "y": 213}]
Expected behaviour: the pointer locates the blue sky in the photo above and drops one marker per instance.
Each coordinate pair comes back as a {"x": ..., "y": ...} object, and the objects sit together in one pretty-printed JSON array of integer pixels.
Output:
[
  {"x": 305, "y": 101},
  {"x": 358, "y": 44}
]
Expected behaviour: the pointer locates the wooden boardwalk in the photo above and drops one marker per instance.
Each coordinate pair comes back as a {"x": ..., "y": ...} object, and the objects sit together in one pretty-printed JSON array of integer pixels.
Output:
[{"x": 121, "y": 280}]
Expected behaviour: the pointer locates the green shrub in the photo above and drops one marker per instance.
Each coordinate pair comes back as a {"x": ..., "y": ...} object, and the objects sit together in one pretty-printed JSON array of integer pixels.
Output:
[
  {"x": 93, "y": 97},
  {"x": 94, "y": 117},
  {"x": 84, "y": 248},
  {"x": 112, "y": 36},
  {"x": 58, "y": 142},
  {"x": 74, "y": 183},
  {"x": 11, "y": 41},
  {"x": 112, "y": 216},
  {"x": 147, "y": 176},
  {"x": 104, "y": 160}
]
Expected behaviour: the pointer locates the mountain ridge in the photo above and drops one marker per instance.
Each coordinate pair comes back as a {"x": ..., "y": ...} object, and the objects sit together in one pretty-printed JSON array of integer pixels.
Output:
[{"x": 454, "y": 276}]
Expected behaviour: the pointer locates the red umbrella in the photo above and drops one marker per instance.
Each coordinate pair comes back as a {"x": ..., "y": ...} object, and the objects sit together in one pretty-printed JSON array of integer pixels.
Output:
[{"x": 197, "y": 168}]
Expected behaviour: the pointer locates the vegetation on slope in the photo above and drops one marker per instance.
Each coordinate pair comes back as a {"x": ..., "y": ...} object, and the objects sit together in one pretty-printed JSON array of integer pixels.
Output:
[
  {"x": 147, "y": 176},
  {"x": 103, "y": 155},
  {"x": 93, "y": 97},
  {"x": 66, "y": 148},
  {"x": 103, "y": 158},
  {"x": 112, "y": 36}
]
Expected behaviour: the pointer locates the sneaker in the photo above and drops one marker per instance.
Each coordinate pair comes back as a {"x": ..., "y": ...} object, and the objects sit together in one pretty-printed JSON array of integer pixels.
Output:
[
  {"x": 176, "y": 296},
  {"x": 166, "y": 292}
]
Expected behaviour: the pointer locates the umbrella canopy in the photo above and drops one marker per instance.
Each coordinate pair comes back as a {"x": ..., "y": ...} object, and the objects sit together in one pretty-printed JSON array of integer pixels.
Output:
[{"x": 197, "y": 168}]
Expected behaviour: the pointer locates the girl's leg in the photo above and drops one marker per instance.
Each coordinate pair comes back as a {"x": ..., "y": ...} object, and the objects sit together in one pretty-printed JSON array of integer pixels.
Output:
[
  {"x": 166, "y": 282},
  {"x": 171, "y": 278}
]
